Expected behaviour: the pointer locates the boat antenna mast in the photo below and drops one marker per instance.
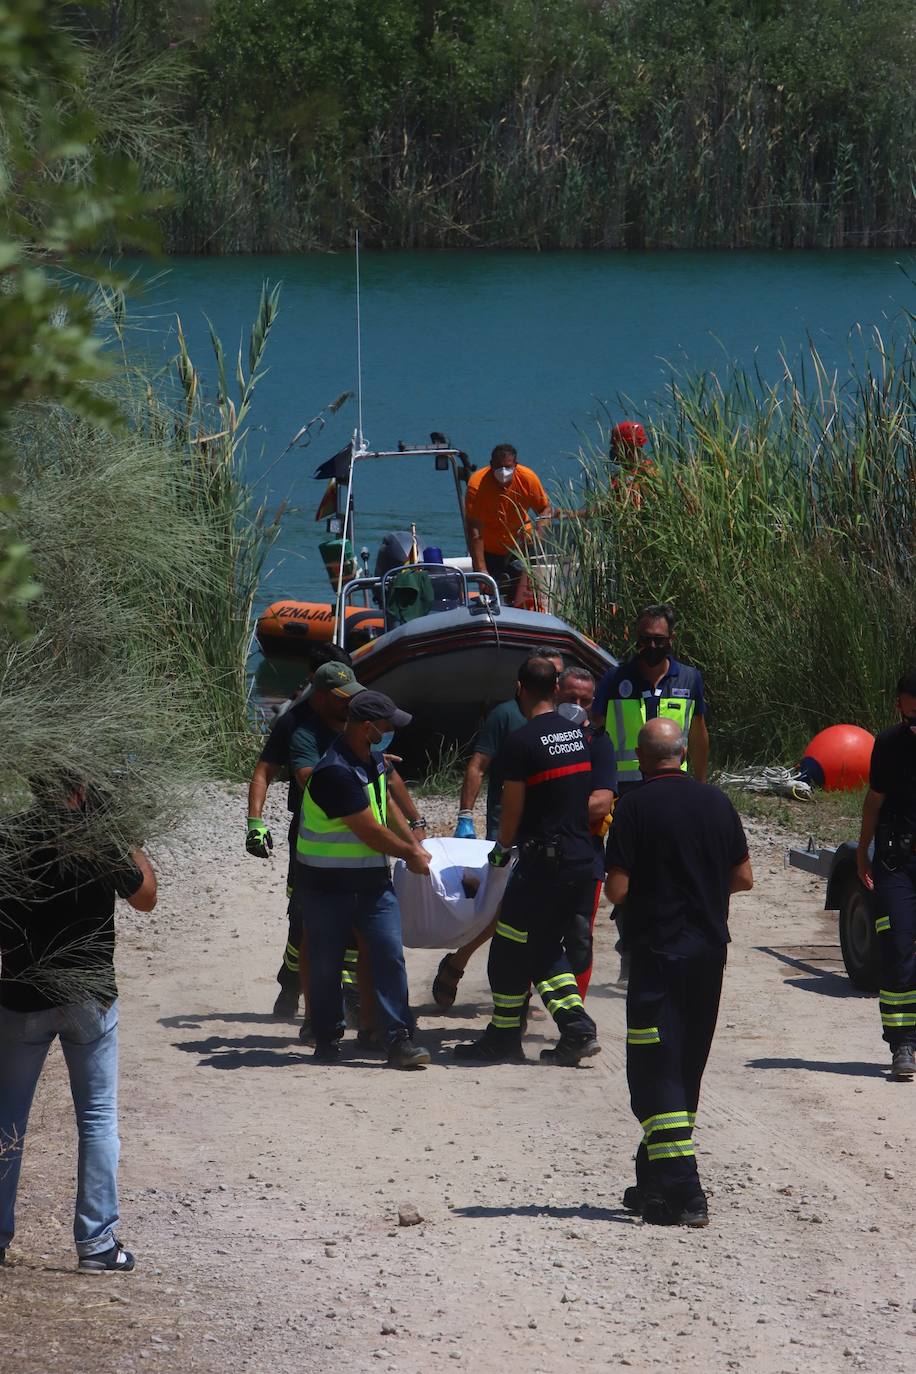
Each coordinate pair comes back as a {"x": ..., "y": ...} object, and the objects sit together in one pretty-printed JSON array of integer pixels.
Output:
[
  {"x": 359, "y": 439},
  {"x": 357, "y": 445}
]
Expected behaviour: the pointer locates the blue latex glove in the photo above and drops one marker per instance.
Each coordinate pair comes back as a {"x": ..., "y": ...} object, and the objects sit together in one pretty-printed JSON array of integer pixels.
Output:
[{"x": 464, "y": 830}]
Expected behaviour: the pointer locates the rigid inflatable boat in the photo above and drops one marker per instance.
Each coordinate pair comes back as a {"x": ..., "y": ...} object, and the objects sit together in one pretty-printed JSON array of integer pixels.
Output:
[{"x": 430, "y": 631}]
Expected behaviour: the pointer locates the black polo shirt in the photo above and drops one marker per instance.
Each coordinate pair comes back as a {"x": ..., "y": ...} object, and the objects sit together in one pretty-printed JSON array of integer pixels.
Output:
[
  {"x": 678, "y": 840},
  {"x": 551, "y": 757},
  {"x": 893, "y": 772},
  {"x": 278, "y": 747}
]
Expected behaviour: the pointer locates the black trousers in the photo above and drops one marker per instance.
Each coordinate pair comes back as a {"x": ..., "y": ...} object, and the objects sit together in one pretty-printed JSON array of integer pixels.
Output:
[
  {"x": 672, "y": 1006},
  {"x": 895, "y": 925},
  {"x": 288, "y": 975},
  {"x": 538, "y": 911},
  {"x": 506, "y": 570}
]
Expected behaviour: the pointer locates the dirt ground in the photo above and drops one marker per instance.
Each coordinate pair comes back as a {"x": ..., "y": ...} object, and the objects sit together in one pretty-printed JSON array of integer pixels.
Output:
[{"x": 261, "y": 1193}]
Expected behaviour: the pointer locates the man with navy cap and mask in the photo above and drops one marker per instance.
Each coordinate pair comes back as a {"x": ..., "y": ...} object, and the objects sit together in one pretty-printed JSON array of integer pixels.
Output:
[{"x": 348, "y": 830}]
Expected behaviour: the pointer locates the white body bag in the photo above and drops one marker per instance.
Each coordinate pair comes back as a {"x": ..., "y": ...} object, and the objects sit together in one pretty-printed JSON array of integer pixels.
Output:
[{"x": 436, "y": 912}]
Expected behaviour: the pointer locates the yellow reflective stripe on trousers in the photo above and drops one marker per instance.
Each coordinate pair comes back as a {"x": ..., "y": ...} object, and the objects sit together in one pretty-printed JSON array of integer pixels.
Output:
[
  {"x": 666, "y": 1121},
  {"x": 898, "y": 1018},
  {"x": 671, "y": 1149},
  {"x": 510, "y": 933},
  {"x": 882, "y": 923},
  {"x": 506, "y": 1022},
  {"x": 897, "y": 999},
  {"x": 643, "y": 1035},
  {"x": 562, "y": 980},
  {"x": 505, "y": 999},
  {"x": 564, "y": 1003}
]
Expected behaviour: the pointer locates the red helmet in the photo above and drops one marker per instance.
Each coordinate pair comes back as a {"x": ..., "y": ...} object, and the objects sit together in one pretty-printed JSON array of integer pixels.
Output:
[{"x": 629, "y": 434}]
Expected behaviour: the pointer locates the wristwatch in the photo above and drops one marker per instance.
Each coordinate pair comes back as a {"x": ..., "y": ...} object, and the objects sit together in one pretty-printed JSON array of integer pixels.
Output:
[{"x": 418, "y": 824}]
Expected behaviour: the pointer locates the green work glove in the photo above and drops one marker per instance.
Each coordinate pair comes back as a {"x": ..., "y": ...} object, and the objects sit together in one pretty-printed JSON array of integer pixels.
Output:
[
  {"x": 259, "y": 840},
  {"x": 499, "y": 857}
]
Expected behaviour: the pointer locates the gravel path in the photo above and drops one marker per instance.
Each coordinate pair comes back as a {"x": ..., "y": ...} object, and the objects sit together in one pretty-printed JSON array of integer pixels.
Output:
[{"x": 262, "y": 1194}]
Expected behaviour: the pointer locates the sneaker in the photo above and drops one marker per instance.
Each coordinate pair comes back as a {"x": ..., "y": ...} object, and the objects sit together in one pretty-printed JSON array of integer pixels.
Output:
[
  {"x": 633, "y": 1199},
  {"x": 569, "y": 1049},
  {"x": 113, "y": 1261},
  {"x": 904, "y": 1062},
  {"x": 490, "y": 1048},
  {"x": 404, "y": 1054},
  {"x": 326, "y": 1052},
  {"x": 287, "y": 1004}
]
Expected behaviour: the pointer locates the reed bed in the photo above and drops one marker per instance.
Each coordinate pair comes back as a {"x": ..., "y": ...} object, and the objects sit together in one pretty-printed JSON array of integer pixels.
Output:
[
  {"x": 780, "y": 520},
  {"x": 744, "y": 168},
  {"x": 147, "y": 548}
]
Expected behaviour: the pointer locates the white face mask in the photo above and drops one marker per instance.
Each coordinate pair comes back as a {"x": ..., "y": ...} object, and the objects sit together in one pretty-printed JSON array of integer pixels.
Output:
[
  {"x": 503, "y": 475},
  {"x": 573, "y": 712}
]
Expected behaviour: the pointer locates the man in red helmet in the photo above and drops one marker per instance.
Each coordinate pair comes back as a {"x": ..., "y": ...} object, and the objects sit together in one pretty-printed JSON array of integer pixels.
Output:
[{"x": 628, "y": 439}]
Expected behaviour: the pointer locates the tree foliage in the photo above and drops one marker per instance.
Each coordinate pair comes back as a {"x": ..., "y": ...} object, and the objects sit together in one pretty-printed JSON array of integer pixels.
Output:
[{"x": 61, "y": 199}]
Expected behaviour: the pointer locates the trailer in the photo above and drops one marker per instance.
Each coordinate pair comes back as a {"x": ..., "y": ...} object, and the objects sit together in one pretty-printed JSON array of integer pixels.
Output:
[{"x": 853, "y": 902}]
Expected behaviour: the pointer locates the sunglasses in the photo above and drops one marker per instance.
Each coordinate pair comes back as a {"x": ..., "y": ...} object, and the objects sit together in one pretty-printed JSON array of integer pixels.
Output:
[{"x": 654, "y": 641}]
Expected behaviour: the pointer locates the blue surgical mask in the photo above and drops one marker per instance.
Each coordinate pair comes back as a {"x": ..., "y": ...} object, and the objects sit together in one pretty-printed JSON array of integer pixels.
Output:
[{"x": 384, "y": 743}]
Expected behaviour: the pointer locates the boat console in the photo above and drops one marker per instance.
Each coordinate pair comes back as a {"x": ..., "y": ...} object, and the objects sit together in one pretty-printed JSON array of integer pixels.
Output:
[{"x": 411, "y": 592}]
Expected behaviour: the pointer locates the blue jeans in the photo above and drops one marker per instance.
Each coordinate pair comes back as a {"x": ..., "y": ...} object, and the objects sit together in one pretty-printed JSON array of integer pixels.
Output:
[
  {"x": 329, "y": 918},
  {"x": 89, "y": 1040}
]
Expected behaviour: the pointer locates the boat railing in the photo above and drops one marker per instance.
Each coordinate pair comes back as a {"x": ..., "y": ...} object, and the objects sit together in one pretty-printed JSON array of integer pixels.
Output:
[{"x": 413, "y": 591}]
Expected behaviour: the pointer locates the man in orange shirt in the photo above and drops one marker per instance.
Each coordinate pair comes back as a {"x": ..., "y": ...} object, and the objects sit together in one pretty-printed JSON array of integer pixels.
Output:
[{"x": 498, "y": 502}]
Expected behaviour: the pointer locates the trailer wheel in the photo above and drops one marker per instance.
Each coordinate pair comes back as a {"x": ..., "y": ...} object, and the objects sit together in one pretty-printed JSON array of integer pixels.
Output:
[{"x": 858, "y": 940}]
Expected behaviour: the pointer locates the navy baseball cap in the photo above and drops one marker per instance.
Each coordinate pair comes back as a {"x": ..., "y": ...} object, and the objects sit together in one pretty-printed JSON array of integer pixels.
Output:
[{"x": 376, "y": 706}]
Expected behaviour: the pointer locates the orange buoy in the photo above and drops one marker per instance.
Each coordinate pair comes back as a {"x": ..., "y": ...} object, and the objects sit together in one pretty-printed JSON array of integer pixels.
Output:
[{"x": 838, "y": 758}]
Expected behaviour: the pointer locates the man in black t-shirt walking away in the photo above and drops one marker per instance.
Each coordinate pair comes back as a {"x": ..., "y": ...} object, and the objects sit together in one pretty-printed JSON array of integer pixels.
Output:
[
  {"x": 57, "y": 980},
  {"x": 546, "y": 771},
  {"x": 676, "y": 851},
  {"x": 889, "y": 818}
]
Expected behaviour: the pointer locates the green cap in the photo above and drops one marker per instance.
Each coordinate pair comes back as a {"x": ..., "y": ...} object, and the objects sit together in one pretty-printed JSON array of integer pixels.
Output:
[{"x": 336, "y": 677}]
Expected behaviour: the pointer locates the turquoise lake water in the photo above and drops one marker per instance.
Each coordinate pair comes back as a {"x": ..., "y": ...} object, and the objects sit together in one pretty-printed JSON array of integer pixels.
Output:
[{"x": 488, "y": 347}]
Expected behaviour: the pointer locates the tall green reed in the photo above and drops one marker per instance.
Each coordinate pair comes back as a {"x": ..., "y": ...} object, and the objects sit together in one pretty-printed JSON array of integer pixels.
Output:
[
  {"x": 780, "y": 520},
  {"x": 148, "y": 548}
]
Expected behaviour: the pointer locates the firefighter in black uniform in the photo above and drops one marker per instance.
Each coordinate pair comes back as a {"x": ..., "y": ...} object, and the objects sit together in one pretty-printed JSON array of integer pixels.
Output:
[
  {"x": 676, "y": 851},
  {"x": 547, "y": 782},
  {"x": 889, "y": 818}
]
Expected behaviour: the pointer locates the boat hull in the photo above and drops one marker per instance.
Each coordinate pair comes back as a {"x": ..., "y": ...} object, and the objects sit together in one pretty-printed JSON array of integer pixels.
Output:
[{"x": 450, "y": 668}]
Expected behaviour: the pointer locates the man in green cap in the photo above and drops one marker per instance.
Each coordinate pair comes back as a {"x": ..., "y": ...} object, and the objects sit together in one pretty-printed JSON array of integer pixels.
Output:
[{"x": 304, "y": 731}]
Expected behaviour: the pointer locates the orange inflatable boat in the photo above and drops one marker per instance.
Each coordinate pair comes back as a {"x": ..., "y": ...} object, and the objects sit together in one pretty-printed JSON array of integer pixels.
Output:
[{"x": 286, "y": 625}]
